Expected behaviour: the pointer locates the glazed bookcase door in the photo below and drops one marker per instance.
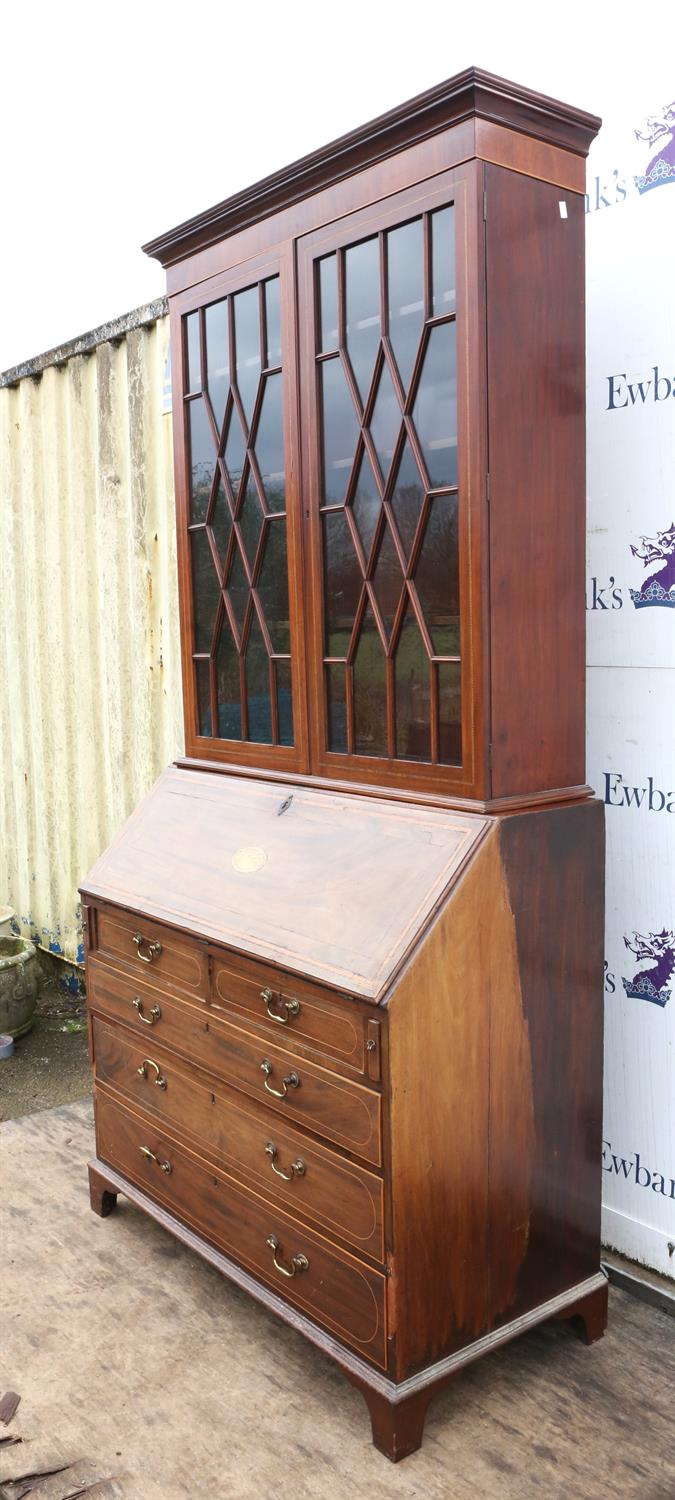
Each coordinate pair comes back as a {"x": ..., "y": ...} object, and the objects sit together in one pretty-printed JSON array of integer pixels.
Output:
[
  {"x": 392, "y": 418},
  {"x": 238, "y": 523}
]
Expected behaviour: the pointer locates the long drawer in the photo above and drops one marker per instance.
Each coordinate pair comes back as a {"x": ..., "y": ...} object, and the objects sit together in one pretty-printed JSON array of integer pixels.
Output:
[
  {"x": 294, "y": 1172},
  {"x": 337, "y": 1291},
  {"x": 292, "y": 1087}
]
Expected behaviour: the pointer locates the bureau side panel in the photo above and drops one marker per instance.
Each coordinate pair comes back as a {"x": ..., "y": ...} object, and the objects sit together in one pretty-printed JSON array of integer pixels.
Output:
[
  {"x": 554, "y": 870},
  {"x": 536, "y": 421}
]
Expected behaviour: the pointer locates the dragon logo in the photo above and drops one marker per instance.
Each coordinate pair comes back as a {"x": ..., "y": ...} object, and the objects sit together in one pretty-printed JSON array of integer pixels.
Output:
[
  {"x": 650, "y": 984},
  {"x": 660, "y": 169},
  {"x": 659, "y": 587}
]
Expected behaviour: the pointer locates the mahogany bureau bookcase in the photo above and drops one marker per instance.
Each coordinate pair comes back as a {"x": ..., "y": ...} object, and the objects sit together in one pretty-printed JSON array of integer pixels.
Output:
[{"x": 345, "y": 961}]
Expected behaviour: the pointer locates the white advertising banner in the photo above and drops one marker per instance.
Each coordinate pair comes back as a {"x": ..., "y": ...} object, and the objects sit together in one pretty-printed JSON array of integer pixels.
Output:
[{"x": 630, "y": 603}]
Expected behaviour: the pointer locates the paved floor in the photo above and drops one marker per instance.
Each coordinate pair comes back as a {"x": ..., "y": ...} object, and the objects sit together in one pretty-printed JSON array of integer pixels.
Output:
[{"x": 133, "y": 1355}]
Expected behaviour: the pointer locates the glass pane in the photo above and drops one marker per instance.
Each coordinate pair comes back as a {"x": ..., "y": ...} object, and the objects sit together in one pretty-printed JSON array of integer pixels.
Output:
[
  {"x": 407, "y": 498},
  {"x": 406, "y": 294},
  {"x": 227, "y": 684},
  {"x": 385, "y": 423},
  {"x": 258, "y": 686},
  {"x": 437, "y": 576},
  {"x": 269, "y": 444},
  {"x": 413, "y": 696},
  {"x": 217, "y": 358},
  {"x": 221, "y": 523},
  {"x": 238, "y": 589},
  {"x": 342, "y": 583},
  {"x": 247, "y": 342},
  {"x": 251, "y": 520},
  {"x": 203, "y": 680},
  {"x": 194, "y": 372},
  {"x": 284, "y": 702},
  {"x": 273, "y": 587},
  {"x": 205, "y": 590},
  {"x": 362, "y": 276},
  {"x": 235, "y": 451},
  {"x": 444, "y": 295},
  {"x": 366, "y": 503},
  {"x": 340, "y": 432},
  {"x": 202, "y": 459},
  {"x": 388, "y": 580},
  {"x": 449, "y": 713},
  {"x": 336, "y": 708},
  {"x": 435, "y": 409},
  {"x": 370, "y": 691},
  {"x": 328, "y": 317},
  {"x": 273, "y": 320}
]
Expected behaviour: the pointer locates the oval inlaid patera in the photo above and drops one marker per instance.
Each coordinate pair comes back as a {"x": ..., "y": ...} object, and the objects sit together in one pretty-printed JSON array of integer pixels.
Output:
[{"x": 249, "y": 859}]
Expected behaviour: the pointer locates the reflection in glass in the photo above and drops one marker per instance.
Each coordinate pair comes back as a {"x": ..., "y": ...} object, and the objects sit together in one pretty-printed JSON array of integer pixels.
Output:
[
  {"x": 202, "y": 459},
  {"x": 342, "y": 582},
  {"x": 449, "y": 713},
  {"x": 385, "y": 423},
  {"x": 340, "y": 431},
  {"x": 247, "y": 344},
  {"x": 227, "y": 686},
  {"x": 407, "y": 498},
  {"x": 406, "y": 294},
  {"x": 194, "y": 372},
  {"x": 235, "y": 451},
  {"x": 328, "y": 314},
  {"x": 411, "y": 672},
  {"x": 362, "y": 276},
  {"x": 269, "y": 444},
  {"x": 273, "y": 587},
  {"x": 203, "y": 680},
  {"x": 273, "y": 321},
  {"x": 217, "y": 358},
  {"x": 437, "y": 576},
  {"x": 237, "y": 588},
  {"x": 370, "y": 691},
  {"x": 258, "y": 686},
  {"x": 444, "y": 295},
  {"x": 250, "y": 520},
  {"x": 284, "y": 702},
  {"x": 337, "y": 709},
  {"x": 387, "y": 580},
  {"x": 205, "y": 589},
  {"x": 366, "y": 503},
  {"x": 221, "y": 522},
  {"x": 435, "y": 409}
]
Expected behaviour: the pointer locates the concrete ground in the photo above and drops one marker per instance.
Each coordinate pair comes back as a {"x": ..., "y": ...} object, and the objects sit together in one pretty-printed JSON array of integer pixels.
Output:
[
  {"x": 50, "y": 1065},
  {"x": 140, "y": 1365}
]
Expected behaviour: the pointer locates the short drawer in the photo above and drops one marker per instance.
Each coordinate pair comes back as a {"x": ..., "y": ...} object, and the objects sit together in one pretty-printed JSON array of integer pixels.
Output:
[
  {"x": 154, "y": 951},
  {"x": 297, "y": 1174},
  {"x": 292, "y": 1088},
  {"x": 332, "y": 1287},
  {"x": 305, "y": 1015}
]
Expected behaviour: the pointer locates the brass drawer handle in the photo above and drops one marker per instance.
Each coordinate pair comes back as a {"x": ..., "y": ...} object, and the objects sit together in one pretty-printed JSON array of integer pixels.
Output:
[
  {"x": 297, "y": 1167},
  {"x": 298, "y": 1262},
  {"x": 291, "y": 1081},
  {"x": 165, "y": 1166},
  {"x": 286, "y": 1008},
  {"x": 155, "y": 1013},
  {"x": 143, "y": 1072},
  {"x": 154, "y": 949}
]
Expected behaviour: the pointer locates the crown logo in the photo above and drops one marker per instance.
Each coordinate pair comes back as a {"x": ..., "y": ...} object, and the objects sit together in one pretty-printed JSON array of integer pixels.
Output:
[
  {"x": 651, "y": 984},
  {"x": 659, "y": 588},
  {"x": 661, "y": 166}
]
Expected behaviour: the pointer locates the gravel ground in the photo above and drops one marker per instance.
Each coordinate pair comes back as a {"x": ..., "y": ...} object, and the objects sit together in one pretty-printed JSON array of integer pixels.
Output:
[{"x": 50, "y": 1065}]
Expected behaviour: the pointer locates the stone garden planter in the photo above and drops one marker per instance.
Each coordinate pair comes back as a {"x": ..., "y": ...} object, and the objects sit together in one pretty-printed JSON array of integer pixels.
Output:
[{"x": 19, "y": 977}]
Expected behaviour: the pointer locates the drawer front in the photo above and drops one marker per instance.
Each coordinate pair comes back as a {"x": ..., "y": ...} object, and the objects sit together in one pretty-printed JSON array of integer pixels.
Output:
[
  {"x": 341, "y": 1197},
  {"x": 291, "y": 1009},
  {"x": 345, "y": 1112},
  {"x": 334, "y": 1289},
  {"x": 156, "y": 953}
]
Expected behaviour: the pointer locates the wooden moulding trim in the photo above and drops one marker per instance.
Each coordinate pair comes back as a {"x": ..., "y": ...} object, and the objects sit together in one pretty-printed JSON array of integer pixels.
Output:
[
  {"x": 356, "y": 1368},
  {"x": 473, "y": 93},
  {"x": 550, "y": 797}
]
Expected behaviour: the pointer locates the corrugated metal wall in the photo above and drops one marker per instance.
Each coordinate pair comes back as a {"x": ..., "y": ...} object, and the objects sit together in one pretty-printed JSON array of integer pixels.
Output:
[{"x": 90, "y": 707}]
